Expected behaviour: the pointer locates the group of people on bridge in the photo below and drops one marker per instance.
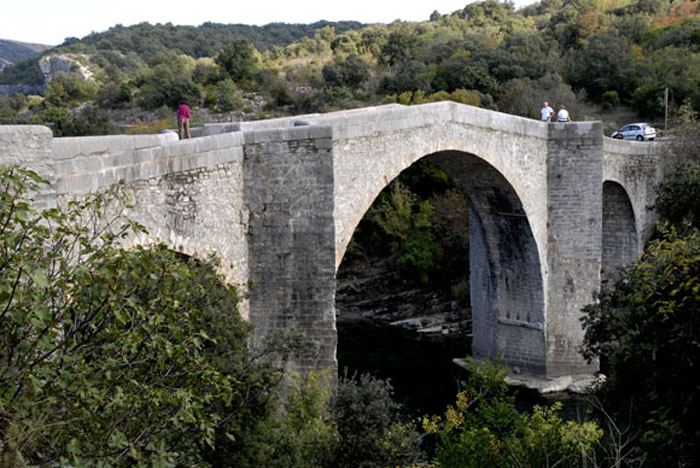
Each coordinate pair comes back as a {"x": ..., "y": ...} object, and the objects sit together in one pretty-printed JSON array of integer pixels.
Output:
[{"x": 547, "y": 113}]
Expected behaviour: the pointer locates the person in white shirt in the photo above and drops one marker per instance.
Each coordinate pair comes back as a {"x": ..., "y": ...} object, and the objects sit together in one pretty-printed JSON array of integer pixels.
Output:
[
  {"x": 563, "y": 115},
  {"x": 546, "y": 112}
]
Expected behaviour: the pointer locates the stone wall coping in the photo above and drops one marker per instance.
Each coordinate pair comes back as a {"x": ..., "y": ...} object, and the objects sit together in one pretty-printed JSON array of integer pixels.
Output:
[
  {"x": 39, "y": 130},
  {"x": 71, "y": 147},
  {"x": 269, "y": 124},
  {"x": 633, "y": 148},
  {"x": 288, "y": 134},
  {"x": 392, "y": 117}
]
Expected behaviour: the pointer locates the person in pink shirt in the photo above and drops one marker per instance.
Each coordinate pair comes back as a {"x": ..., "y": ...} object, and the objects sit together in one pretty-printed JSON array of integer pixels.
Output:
[{"x": 183, "y": 120}]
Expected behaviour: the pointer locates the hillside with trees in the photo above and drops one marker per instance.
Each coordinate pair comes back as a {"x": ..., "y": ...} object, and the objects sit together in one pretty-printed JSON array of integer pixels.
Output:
[
  {"x": 15, "y": 51},
  {"x": 598, "y": 57}
]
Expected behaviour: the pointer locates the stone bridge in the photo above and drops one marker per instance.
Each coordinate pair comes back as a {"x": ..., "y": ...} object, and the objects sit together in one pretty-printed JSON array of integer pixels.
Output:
[{"x": 554, "y": 207}]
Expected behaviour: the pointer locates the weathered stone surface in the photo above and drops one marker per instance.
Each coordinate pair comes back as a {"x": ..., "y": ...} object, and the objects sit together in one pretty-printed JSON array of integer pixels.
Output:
[
  {"x": 52, "y": 64},
  {"x": 551, "y": 206},
  {"x": 288, "y": 180},
  {"x": 579, "y": 384}
]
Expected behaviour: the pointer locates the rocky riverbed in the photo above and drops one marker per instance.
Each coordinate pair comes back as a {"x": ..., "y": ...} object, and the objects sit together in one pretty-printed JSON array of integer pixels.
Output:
[{"x": 374, "y": 292}]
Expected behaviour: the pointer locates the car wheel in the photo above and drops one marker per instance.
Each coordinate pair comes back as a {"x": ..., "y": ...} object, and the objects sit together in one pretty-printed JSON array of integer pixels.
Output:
[{"x": 640, "y": 138}]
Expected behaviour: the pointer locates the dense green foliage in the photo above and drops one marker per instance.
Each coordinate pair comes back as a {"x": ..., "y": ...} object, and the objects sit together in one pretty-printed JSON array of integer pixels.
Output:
[
  {"x": 592, "y": 56},
  {"x": 23, "y": 72},
  {"x": 238, "y": 60},
  {"x": 358, "y": 425},
  {"x": 13, "y": 52},
  {"x": 424, "y": 221},
  {"x": 206, "y": 40},
  {"x": 113, "y": 357},
  {"x": 677, "y": 198},
  {"x": 483, "y": 428},
  {"x": 645, "y": 330},
  {"x": 371, "y": 429}
]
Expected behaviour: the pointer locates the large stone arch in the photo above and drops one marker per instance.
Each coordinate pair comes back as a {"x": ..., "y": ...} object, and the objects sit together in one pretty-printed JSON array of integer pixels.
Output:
[
  {"x": 620, "y": 237},
  {"x": 363, "y": 165},
  {"x": 507, "y": 293}
]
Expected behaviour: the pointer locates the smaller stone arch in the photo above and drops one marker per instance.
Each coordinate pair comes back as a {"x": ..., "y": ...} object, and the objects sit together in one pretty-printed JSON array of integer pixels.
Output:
[
  {"x": 619, "y": 237},
  {"x": 190, "y": 247}
]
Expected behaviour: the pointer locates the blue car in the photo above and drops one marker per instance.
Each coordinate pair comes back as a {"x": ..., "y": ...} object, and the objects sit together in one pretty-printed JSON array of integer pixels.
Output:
[{"x": 635, "y": 131}]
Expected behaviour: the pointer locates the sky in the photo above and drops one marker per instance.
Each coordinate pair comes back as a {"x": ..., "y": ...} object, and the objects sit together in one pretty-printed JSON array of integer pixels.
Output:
[{"x": 51, "y": 21}]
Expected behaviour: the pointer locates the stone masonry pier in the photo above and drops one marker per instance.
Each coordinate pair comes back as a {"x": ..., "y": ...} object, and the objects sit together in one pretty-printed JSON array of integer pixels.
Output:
[{"x": 553, "y": 207}]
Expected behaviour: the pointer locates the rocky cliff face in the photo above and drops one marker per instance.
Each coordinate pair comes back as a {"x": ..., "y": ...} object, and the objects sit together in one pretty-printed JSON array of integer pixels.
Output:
[
  {"x": 52, "y": 64},
  {"x": 371, "y": 291}
]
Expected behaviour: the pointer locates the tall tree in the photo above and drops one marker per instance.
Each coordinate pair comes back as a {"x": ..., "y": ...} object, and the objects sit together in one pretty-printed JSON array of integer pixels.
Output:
[{"x": 238, "y": 60}]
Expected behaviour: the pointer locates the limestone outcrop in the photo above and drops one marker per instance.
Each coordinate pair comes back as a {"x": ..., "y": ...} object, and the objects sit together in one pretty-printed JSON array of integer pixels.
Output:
[{"x": 52, "y": 64}]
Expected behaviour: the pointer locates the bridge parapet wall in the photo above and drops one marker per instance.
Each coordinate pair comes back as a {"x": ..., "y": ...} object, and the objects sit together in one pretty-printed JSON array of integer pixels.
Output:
[
  {"x": 188, "y": 194},
  {"x": 92, "y": 164},
  {"x": 28, "y": 146}
]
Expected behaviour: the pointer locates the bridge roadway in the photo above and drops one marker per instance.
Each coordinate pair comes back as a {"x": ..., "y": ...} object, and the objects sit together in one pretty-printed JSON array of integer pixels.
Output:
[{"x": 554, "y": 208}]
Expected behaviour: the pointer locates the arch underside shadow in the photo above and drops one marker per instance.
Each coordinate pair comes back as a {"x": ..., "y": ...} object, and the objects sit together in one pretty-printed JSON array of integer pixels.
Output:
[
  {"x": 507, "y": 293},
  {"x": 620, "y": 245}
]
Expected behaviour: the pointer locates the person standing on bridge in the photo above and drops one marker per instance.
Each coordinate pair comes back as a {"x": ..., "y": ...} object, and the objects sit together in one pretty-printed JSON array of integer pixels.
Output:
[
  {"x": 183, "y": 120},
  {"x": 546, "y": 112},
  {"x": 563, "y": 115}
]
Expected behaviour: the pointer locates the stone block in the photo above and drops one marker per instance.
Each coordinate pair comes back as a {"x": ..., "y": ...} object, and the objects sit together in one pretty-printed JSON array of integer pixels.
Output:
[{"x": 320, "y": 131}]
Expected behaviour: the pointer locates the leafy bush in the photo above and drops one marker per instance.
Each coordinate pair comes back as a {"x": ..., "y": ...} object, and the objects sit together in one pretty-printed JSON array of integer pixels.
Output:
[
  {"x": 111, "y": 357},
  {"x": 372, "y": 433},
  {"x": 69, "y": 89},
  {"x": 166, "y": 85},
  {"x": 90, "y": 120},
  {"x": 645, "y": 329},
  {"x": 677, "y": 197},
  {"x": 58, "y": 118},
  {"x": 610, "y": 100},
  {"x": 351, "y": 73},
  {"x": 228, "y": 100},
  {"x": 113, "y": 95},
  {"x": 301, "y": 436},
  {"x": 483, "y": 428},
  {"x": 7, "y": 113},
  {"x": 238, "y": 60}
]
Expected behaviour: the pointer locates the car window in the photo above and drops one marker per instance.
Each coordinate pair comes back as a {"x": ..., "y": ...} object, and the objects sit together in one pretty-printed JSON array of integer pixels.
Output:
[
  {"x": 625, "y": 128},
  {"x": 634, "y": 127}
]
